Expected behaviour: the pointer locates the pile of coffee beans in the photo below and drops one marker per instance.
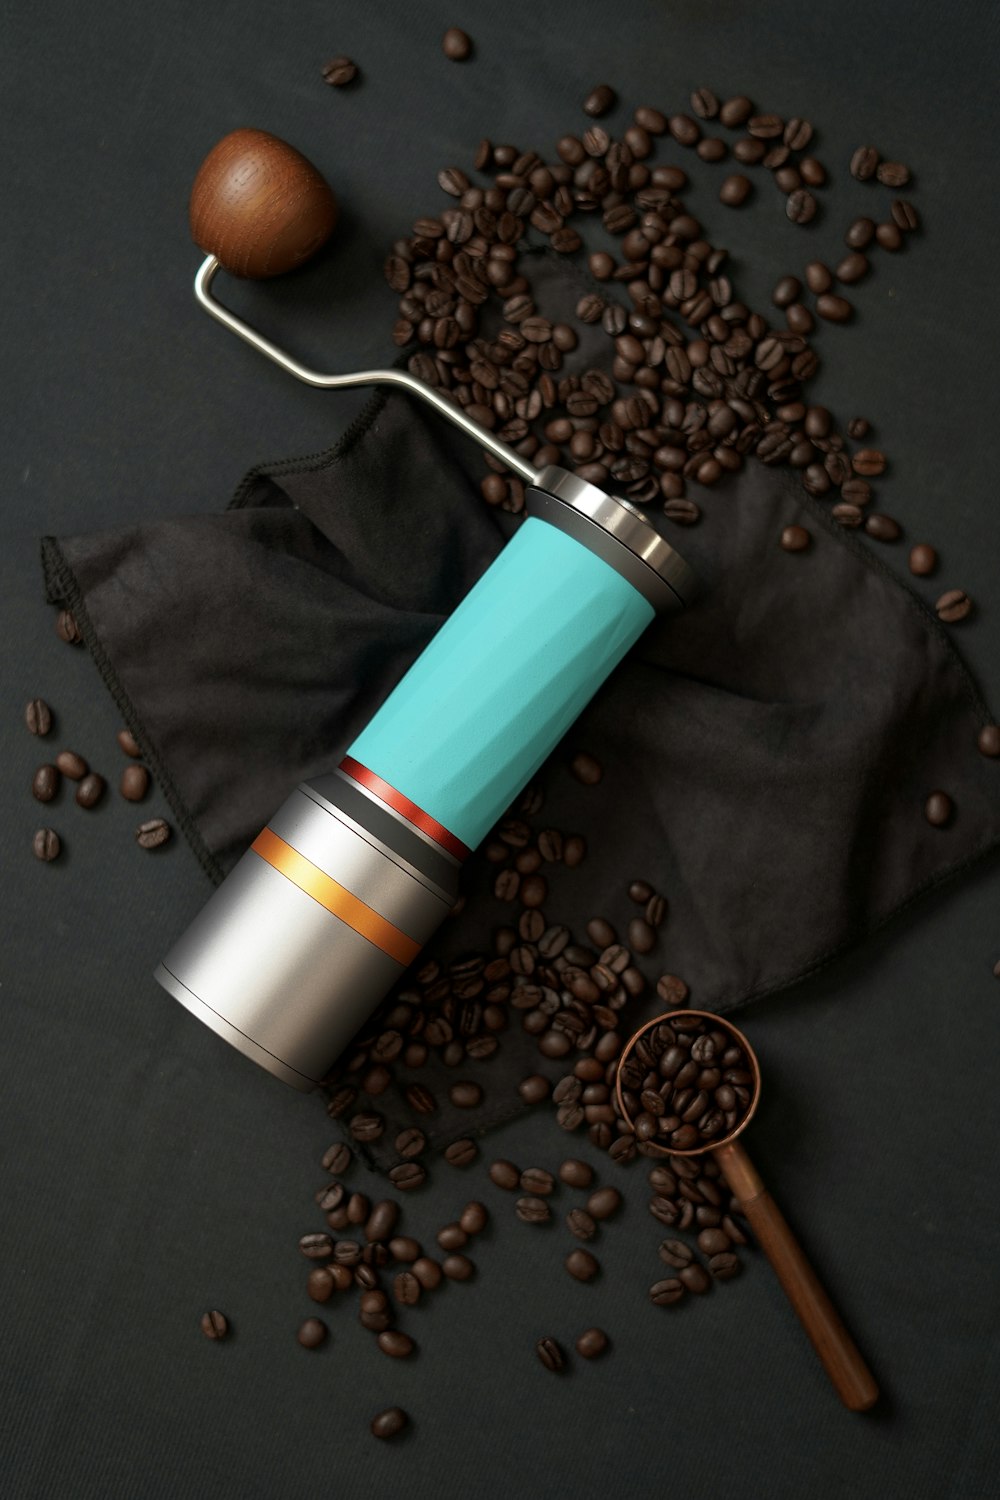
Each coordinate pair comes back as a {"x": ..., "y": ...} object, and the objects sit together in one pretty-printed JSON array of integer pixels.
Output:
[
  {"x": 68, "y": 765},
  {"x": 686, "y": 1082}
]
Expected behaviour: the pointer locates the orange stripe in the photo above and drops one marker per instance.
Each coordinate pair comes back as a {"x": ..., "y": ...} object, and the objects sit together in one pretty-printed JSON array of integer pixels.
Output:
[
  {"x": 409, "y": 810},
  {"x": 322, "y": 888}
]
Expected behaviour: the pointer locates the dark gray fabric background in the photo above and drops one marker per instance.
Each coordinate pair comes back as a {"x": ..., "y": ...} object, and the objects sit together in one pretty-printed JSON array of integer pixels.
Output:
[{"x": 147, "y": 1172}]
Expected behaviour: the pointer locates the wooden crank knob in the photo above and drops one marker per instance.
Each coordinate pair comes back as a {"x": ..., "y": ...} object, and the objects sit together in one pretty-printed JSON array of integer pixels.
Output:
[{"x": 259, "y": 206}]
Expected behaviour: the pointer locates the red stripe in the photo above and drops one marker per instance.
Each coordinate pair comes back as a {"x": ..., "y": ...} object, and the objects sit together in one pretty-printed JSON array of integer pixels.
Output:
[{"x": 406, "y": 809}]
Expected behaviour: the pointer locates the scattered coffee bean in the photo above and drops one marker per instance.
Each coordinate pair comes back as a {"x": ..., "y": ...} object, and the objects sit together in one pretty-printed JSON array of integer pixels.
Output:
[
  {"x": 389, "y": 1423},
  {"x": 45, "y": 783},
  {"x": 892, "y": 174},
  {"x": 953, "y": 605},
  {"x": 537, "y": 1181},
  {"x": 939, "y": 809},
  {"x": 473, "y": 1218},
  {"x": 864, "y": 162},
  {"x": 581, "y": 1265},
  {"x": 532, "y": 1210},
  {"x": 67, "y": 629},
  {"x": 724, "y": 1266},
  {"x": 410, "y": 1142},
  {"x": 38, "y": 716},
  {"x": 129, "y": 743},
  {"x": 71, "y": 765},
  {"x": 795, "y": 539},
  {"x": 91, "y": 790},
  {"x": 586, "y": 769},
  {"x": 458, "y": 1267},
  {"x": 456, "y": 44},
  {"x": 576, "y": 1174},
  {"x": 316, "y": 1246},
  {"x": 800, "y": 206},
  {"x": 735, "y": 190},
  {"x": 882, "y": 528},
  {"x": 339, "y": 71},
  {"x": 581, "y": 1224},
  {"x": 428, "y": 1272},
  {"x": 604, "y": 1202},
  {"x": 452, "y": 1237},
  {"x": 988, "y": 740},
  {"x": 665, "y": 1293},
  {"x": 366, "y": 1126},
  {"x": 505, "y": 1175},
  {"x": 923, "y": 560},
  {"x": 408, "y": 1175},
  {"x": 134, "y": 783},
  {"x": 320, "y": 1285},
  {"x": 676, "y": 1253},
  {"x": 591, "y": 1343},
  {"x": 46, "y": 845},
  {"x": 152, "y": 833},
  {"x": 461, "y": 1153},
  {"x": 600, "y": 100},
  {"x": 833, "y": 308},
  {"x": 214, "y": 1325},
  {"x": 858, "y": 427},
  {"x": 550, "y": 1354},
  {"x": 534, "y": 1089},
  {"x": 312, "y": 1333},
  {"x": 397, "y": 1345}
]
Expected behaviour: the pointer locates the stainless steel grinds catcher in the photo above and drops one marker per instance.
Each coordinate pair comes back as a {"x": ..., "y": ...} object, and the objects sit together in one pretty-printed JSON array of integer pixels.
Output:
[{"x": 355, "y": 871}]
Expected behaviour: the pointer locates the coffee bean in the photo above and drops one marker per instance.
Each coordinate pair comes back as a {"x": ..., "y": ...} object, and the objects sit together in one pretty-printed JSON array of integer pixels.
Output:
[
  {"x": 834, "y": 309},
  {"x": 38, "y": 716},
  {"x": 581, "y": 1265},
  {"x": 129, "y": 743},
  {"x": 550, "y": 1354},
  {"x": 864, "y": 162},
  {"x": 45, "y": 783},
  {"x": 397, "y": 1345},
  {"x": 134, "y": 783},
  {"x": 537, "y": 1181},
  {"x": 604, "y": 1202},
  {"x": 427, "y": 1272},
  {"x": 860, "y": 234},
  {"x": 786, "y": 291},
  {"x": 46, "y": 845},
  {"x": 452, "y": 1237},
  {"x": 389, "y": 1423},
  {"x": 214, "y": 1325},
  {"x": 153, "y": 833},
  {"x": 67, "y": 629},
  {"x": 953, "y": 605},
  {"x": 704, "y": 104},
  {"x": 71, "y": 765},
  {"x": 735, "y": 190},
  {"x": 939, "y": 809},
  {"x": 458, "y": 1268},
  {"x": 339, "y": 71},
  {"x": 473, "y": 1218},
  {"x": 465, "y": 1095},
  {"x": 505, "y": 1175},
  {"x": 410, "y": 1142},
  {"x": 713, "y": 1241},
  {"x": 852, "y": 268},
  {"x": 600, "y": 100},
  {"x": 461, "y": 1153},
  {"x": 923, "y": 560},
  {"x": 407, "y": 1175},
  {"x": 316, "y": 1246},
  {"x": 819, "y": 278},
  {"x": 531, "y": 1210},
  {"x": 312, "y": 1333},
  {"x": 988, "y": 740},
  {"x": 586, "y": 769},
  {"x": 320, "y": 1285},
  {"x": 858, "y": 427},
  {"x": 665, "y": 1293},
  {"x": 735, "y": 112},
  {"x": 676, "y": 1253},
  {"x": 576, "y": 1174},
  {"x": 581, "y": 1224},
  {"x": 534, "y": 1088},
  {"x": 382, "y": 1220},
  {"x": 91, "y": 790},
  {"x": 456, "y": 45},
  {"x": 420, "y": 1099},
  {"x": 695, "y": 1278},
  {"x": 800, "y": 206},
  {"x": 795, "y": 539},
  {"x": 682, "y": 511},
  {"x": 366, "y": 1126},
  {"x": 904, "y": 215},
  {"x": 892, "y": 174},
  {"x": 591, "y": 1343},
  {"x": 340, "y": 1102}
]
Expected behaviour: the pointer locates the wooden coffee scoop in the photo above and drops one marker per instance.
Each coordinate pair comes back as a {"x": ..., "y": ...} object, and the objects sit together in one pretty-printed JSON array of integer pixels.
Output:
[{"x": 259, "y": 206}]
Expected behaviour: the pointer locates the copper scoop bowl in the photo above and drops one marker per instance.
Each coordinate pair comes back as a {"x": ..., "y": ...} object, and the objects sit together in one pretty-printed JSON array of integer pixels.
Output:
[{"x": 843, "y": 1362}]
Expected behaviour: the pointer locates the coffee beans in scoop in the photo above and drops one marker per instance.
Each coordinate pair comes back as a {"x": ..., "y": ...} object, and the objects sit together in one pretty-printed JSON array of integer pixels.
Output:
[{"x": 686, "y": 1083}]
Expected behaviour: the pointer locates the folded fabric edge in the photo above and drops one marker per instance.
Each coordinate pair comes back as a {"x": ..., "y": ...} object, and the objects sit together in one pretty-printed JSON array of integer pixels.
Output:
[{"x": 63, "y": 587}]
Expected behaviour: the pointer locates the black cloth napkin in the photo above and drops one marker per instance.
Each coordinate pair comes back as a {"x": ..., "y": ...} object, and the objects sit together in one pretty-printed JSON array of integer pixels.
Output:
[{"x": 767, "y": 753}]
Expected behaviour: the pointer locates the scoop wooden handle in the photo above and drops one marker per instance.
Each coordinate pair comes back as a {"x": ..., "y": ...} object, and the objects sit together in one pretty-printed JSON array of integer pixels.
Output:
[
  {"x": 259, "y": 206},
  {"x": 842, "y": 1360}
]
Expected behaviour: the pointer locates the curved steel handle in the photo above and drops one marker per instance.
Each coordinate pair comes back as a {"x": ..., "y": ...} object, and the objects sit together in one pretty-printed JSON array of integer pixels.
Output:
[{"x": 400, "y": 378}]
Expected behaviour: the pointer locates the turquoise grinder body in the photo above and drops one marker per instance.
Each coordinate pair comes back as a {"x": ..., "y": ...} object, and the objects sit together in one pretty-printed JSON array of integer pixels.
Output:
[{"x": 338, "y": 894}]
